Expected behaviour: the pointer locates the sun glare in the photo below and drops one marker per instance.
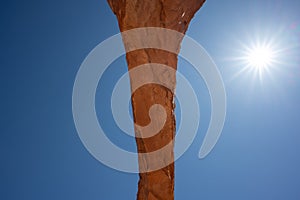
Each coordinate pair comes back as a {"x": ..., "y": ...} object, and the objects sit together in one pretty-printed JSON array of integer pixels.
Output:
[{"x": 260, "y": 57}]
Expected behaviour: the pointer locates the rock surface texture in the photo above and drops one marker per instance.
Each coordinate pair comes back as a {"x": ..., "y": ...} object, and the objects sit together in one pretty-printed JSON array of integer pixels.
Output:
[{"x": 171, "y": 14}]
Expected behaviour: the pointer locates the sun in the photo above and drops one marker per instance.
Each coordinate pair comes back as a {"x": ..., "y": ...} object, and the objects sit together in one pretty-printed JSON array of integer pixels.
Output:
[{"x": 260, "y": 57}]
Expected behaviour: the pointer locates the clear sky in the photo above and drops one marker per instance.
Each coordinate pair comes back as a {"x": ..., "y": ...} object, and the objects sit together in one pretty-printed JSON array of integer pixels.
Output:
[{"x": 43, "y": 44}]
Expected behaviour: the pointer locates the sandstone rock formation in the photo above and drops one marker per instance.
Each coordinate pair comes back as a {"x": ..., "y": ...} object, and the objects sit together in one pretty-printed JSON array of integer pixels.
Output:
[{"x": 170, "y": 14}]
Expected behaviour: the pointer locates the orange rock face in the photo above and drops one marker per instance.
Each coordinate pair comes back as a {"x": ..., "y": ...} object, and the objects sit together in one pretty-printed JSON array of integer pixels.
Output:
[{"x": 170, "y": 14}]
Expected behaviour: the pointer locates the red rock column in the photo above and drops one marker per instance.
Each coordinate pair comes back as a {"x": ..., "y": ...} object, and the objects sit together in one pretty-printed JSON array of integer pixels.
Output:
[{"x": 170, "y": 14}]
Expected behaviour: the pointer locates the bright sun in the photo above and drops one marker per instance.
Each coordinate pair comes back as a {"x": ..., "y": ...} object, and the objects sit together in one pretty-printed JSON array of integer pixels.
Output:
[{"x": 260, "y": 57}]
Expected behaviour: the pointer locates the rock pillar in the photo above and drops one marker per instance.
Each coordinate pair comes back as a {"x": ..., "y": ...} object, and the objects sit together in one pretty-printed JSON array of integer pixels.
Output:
[{"x": 171, "y": 14}]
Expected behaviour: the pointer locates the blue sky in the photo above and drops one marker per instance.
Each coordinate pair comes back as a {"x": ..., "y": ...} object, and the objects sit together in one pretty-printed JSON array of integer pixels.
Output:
[{"x": 42, "y": 46}]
